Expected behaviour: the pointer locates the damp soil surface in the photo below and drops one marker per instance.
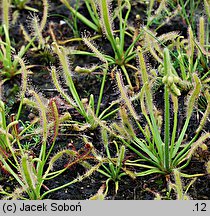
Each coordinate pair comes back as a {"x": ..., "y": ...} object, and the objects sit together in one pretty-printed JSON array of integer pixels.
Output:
[{"x": 140, "y": 188}]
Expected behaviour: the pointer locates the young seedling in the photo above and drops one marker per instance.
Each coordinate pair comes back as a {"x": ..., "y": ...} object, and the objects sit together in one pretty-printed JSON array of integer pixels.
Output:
[{"x": 115, "y": 169}]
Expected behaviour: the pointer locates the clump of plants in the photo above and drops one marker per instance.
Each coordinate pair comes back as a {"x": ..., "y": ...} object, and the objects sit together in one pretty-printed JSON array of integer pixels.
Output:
[
  {"x": 9, "y": 65},
  {"x": 32, "y": 170}
]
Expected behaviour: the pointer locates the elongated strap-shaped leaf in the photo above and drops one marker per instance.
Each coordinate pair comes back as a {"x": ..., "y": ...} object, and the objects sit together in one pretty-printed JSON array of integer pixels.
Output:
[
  {"x": 194, "y": 96},
  {"x": 189, "y": 149},
  {"x": 104, "y": 6},
  {"x": 80, "y": 16},
  {"x": 124, "y": 95},
  {"x": 112, "y": 171},
  {"x": 144, "y": 157},
  {"x": 9, "y": 145},
  {"x": 167, "y": 70},
  {"x": 5, "y": 6},
  {"x": 144, "y": 112},
  {"x": 149, "y": 102},
  {"x": 149, "y": 172},
  {"x": 28, "y": 175},
  {"x": 43, "y": 115},
  {"x": 79, "y": 179},
  {"x": 45, "y": 15},
  {"x": 61, "y": 52},
  {"x": 178, "y": 184},
  {"x": 126, "y": 5},
  {"x": 191, "y": 48},
  {"x": 190, "y": 107},
  {"x": 145, "y": 149},
  {"x": 121, "y": 156},
  {"x": 94, "y": 49},
  {"x": 175, "y": 109},
  {"x": 42, "y": 110},
  {"x": 8, "y": 47},
  {"x": 206, "y": 113},
  {"x": 3, "y": 123},
  {"x": 54, "y": 159},
  {"x": 24, "y": 74},
  {"x": 11, "y": 171},
  {"x": 60, "y": 89},
  {"x": 126, "y": 124},
  {"x": 108, "y": 58},
  {"x": 207, "y": 7},
  {"x": 108, "y": 174},
  {"x": 56, "y": 122},
  {"x": 123, "y": 133},
  {"x": 92, "y": 9},
  {"x": 201, "y": 31}
]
